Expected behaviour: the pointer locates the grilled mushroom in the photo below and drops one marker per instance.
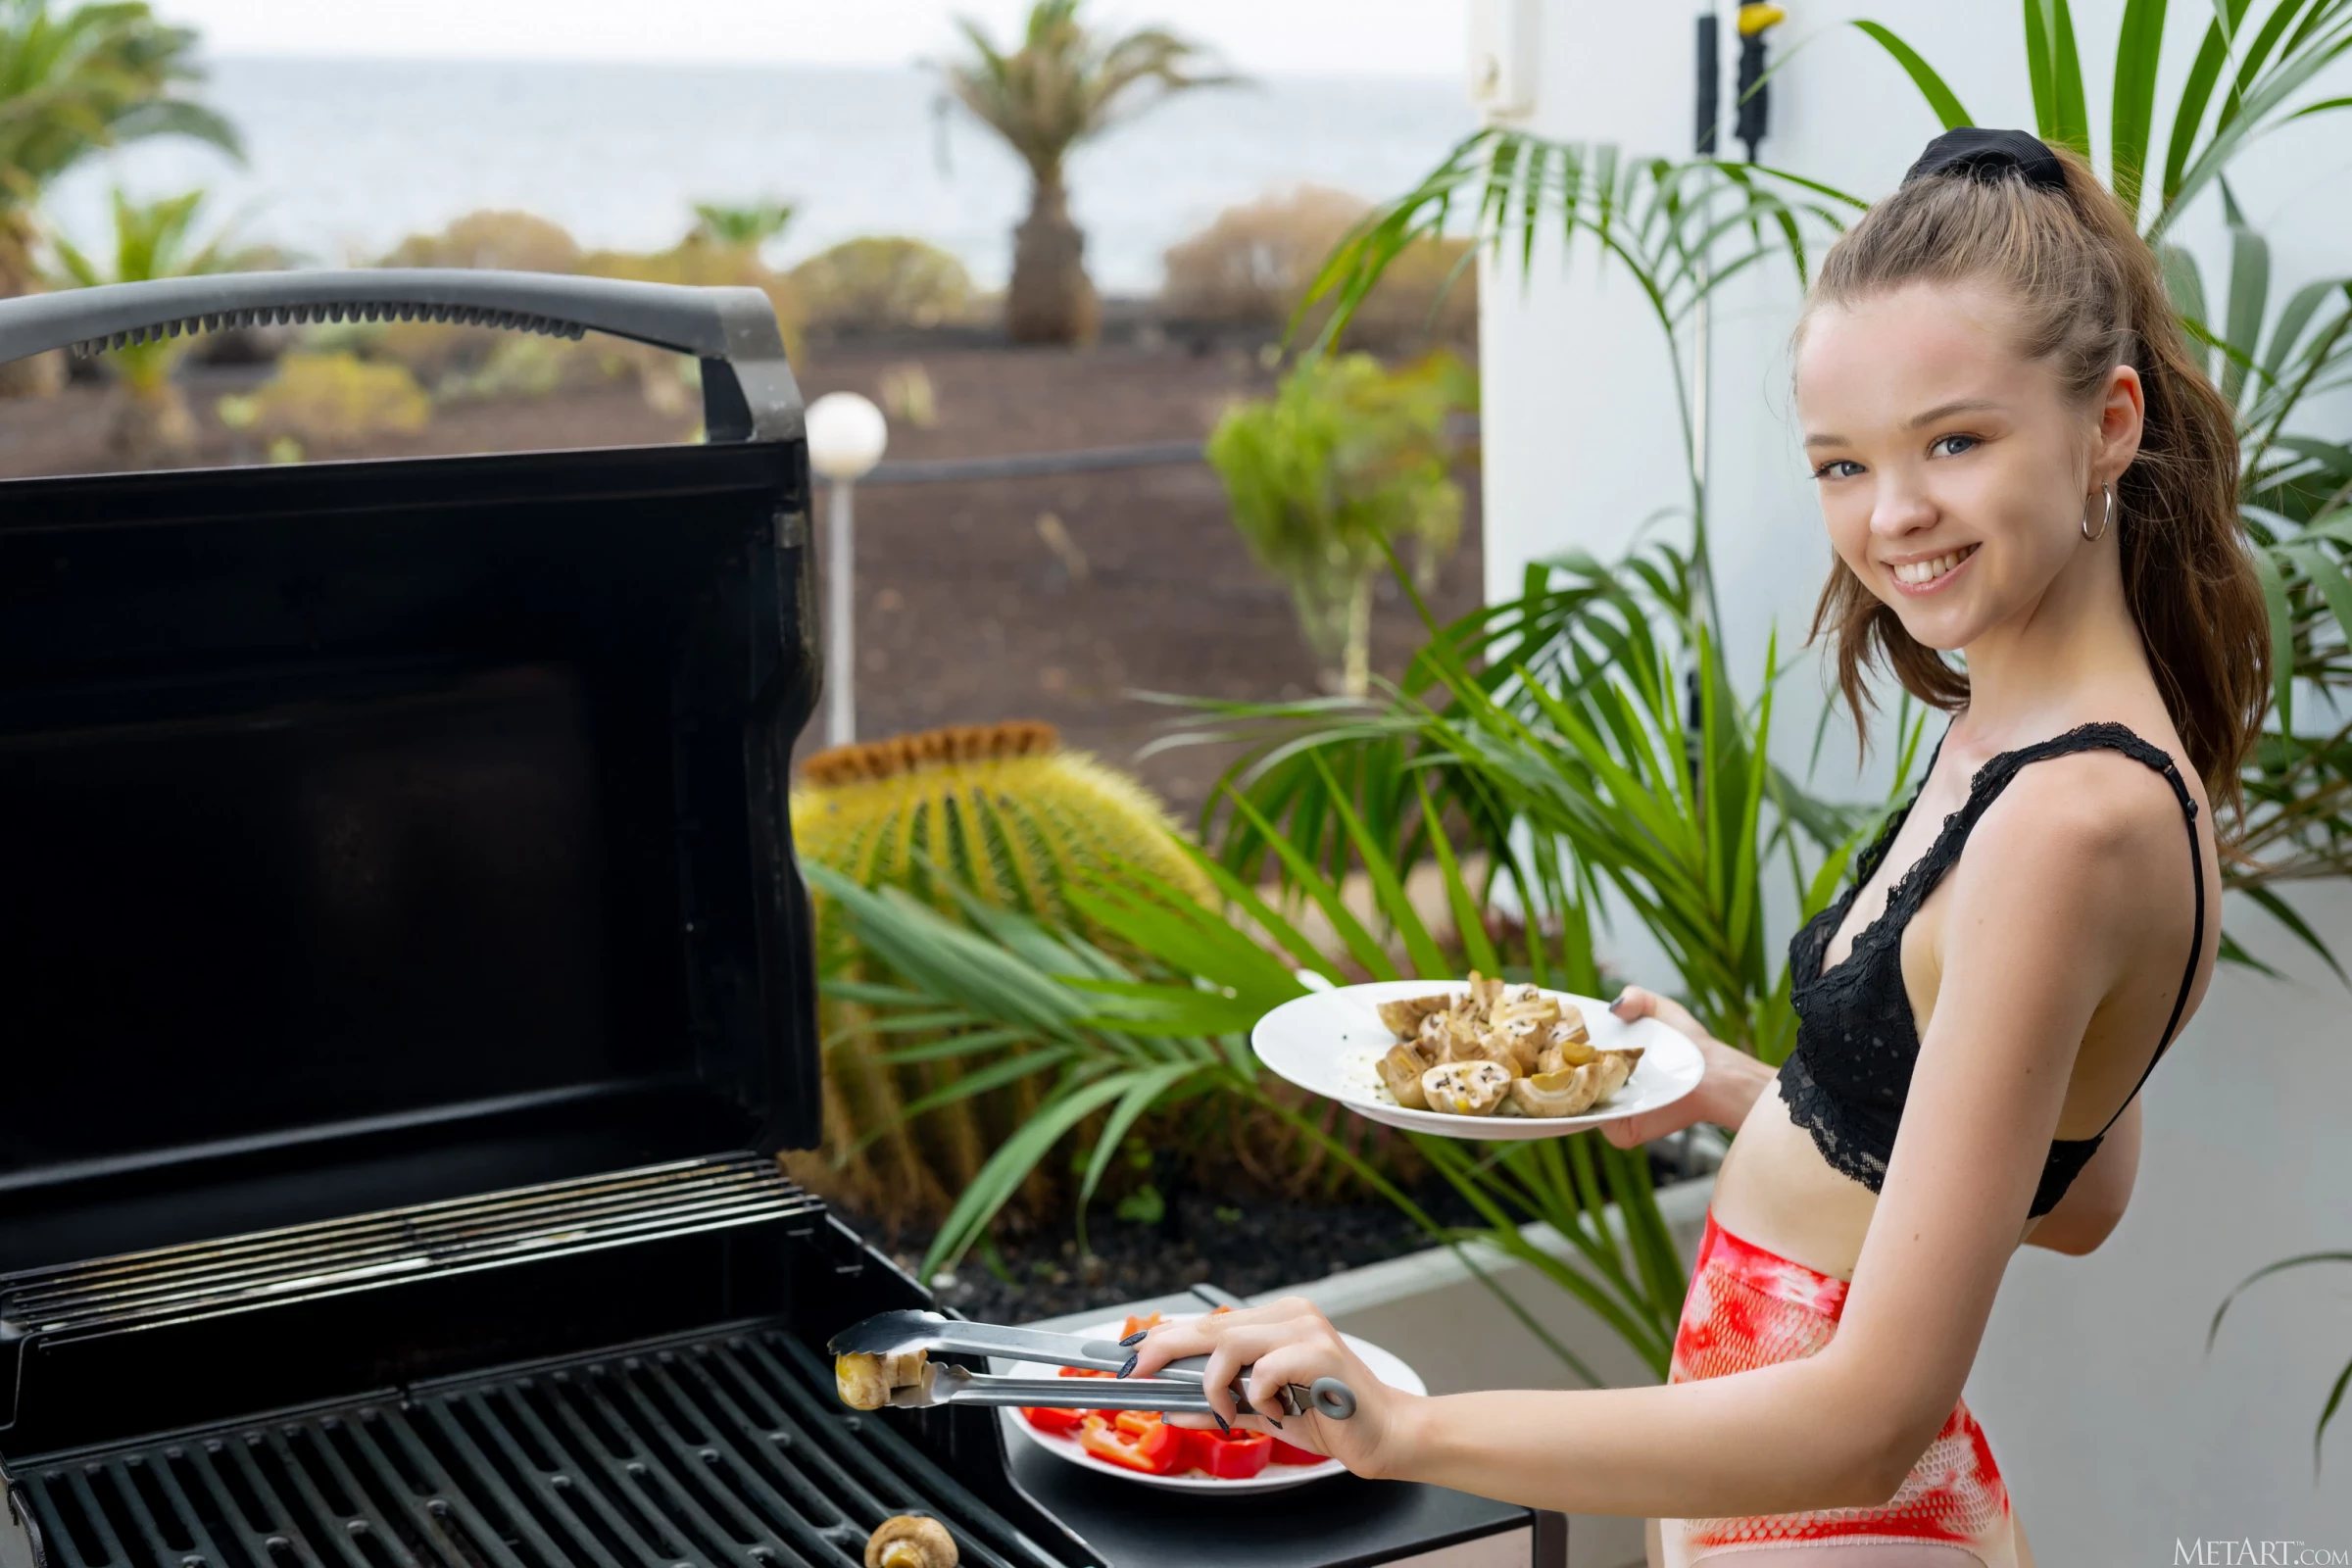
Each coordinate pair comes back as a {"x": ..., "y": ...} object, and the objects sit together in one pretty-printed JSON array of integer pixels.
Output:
[
  {"x": 1405, "y": 1018},
  {"x": 1506, "y": 1050},
  {"x": 911, "y": 1541},
  {"x": 865, "y": 1382},
  {"x": 1465, "y": 1088},
  {"x": 1401, "y": 1071},
  {"x": 1553, "y": 1094},
  {"x": 1576, "y": 1090},
  {"x": 1565, "y": 1046}
]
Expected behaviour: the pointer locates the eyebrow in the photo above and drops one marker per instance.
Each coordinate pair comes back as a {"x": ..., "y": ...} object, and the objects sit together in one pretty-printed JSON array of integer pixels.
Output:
[{"x": 1942, "y": 412}]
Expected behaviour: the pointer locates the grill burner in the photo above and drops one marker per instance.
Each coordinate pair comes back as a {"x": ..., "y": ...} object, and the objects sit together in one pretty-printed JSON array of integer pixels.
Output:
[{"x": 727, "y": 1447}]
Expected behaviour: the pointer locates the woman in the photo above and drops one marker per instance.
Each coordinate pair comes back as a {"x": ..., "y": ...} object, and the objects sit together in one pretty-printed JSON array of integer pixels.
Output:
[{"x": 2017, "y": 461}]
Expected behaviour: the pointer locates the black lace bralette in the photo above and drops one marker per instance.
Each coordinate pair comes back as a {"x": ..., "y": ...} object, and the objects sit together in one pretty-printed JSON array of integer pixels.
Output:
[{"x": 1847, "y": 1077}]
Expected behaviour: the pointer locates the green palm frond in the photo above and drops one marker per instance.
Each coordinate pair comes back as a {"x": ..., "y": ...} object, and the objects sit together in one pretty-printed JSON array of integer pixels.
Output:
[
  {"x": 151, "y": 240},
  {"x": 2244, "y": 78},
  {"x": 1067, "y": 82},
  {"x": 72, "y": 82}
]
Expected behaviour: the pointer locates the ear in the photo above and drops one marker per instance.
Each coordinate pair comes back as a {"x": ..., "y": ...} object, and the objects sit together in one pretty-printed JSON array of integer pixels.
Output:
[{"x": 2122, "y": 413}]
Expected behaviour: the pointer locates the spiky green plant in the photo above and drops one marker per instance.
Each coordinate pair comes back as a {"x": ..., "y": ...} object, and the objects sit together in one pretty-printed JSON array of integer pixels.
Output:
[{"x": 998, "y": 814}]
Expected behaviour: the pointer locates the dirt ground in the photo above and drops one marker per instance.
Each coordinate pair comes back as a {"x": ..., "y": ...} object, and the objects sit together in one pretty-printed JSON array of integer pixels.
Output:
[{"x": 973, "y": 607}]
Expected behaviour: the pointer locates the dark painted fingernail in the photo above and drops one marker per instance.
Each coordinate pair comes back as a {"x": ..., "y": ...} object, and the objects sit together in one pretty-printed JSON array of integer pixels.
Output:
[
  {"x": 1130, "y": 1366},
  {"x": 1137, "y": 1338},
  {"x": 1223, "y": 1425}
]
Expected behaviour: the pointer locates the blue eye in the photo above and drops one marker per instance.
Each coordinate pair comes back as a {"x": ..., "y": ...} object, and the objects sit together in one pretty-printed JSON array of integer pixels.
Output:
[
  {"x": 1942, "y": 441},
  {"x": 1831, "y": 469}
]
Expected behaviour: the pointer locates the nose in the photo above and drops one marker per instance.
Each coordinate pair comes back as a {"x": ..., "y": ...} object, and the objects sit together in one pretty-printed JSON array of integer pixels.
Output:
[{"x": 1901, "y": 506}]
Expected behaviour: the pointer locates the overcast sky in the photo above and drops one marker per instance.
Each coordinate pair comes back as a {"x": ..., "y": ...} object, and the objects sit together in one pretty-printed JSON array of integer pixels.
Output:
[{"x": 1383, "y": 38}]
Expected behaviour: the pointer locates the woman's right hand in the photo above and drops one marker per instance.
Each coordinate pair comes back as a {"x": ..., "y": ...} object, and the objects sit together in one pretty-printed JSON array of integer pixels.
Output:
[{"x": 1727, "y": 1088}]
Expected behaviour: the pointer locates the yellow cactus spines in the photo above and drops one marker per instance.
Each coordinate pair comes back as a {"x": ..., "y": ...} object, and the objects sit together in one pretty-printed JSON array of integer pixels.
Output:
[
  {"x": 1011, "y": 815},
  {"x": 1003, "y": 807}
]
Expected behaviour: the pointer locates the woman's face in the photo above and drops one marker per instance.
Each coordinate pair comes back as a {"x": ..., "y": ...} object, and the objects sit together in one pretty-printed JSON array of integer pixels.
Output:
[{"x": 1953, "y": 472}]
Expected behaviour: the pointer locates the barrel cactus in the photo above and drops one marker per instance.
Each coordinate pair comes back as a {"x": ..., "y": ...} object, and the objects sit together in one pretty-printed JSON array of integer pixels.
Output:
[{"x": 1008, "y": 814}]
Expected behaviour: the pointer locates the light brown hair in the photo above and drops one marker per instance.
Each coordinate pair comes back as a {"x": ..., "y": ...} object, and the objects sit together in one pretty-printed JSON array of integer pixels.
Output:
[{"x": 2087, "y": 296}]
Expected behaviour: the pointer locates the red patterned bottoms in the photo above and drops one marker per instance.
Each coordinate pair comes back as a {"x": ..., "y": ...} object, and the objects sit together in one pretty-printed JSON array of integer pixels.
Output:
[{"x": 1747, "y": 1309}]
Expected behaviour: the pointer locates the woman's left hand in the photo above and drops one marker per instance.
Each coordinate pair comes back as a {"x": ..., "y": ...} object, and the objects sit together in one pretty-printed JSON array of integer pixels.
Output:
[{"x": 1285, "y": 1341}]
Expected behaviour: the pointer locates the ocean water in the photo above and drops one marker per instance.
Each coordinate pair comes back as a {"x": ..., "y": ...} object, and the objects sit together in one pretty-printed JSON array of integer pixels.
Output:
[{"x": 345, "y": 157}]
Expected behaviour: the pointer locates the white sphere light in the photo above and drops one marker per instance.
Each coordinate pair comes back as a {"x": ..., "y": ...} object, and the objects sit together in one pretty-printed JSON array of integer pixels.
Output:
[{"x": 847, "y": 434}]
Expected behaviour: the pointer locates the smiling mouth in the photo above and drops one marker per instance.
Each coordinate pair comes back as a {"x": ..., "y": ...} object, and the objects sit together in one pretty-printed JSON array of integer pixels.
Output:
[{"x": 1923, "y": 573}]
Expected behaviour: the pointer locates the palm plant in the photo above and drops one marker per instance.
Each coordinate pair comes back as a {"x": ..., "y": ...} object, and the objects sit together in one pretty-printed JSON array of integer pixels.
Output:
[
  {"x": 1062, "y": 84},
  {"x": 1678, "y": 230},
  {"x": 2343, "y": 1380},
  {"x": 1346, "y": 459},
  {"x": 1119, "y": 1042},
  {"x": 73, "y": 84},
  {"x": 151, "y": 240}
]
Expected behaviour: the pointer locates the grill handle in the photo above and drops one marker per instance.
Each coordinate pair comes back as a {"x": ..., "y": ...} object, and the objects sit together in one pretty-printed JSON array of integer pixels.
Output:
[
  {"x": 20, "y": 1543},
  {"x": 747, "y": 390}
]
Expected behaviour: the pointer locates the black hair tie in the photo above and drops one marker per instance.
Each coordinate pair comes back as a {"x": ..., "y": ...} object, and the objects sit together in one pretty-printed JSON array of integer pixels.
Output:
[{"x": 1984, "y": 154}]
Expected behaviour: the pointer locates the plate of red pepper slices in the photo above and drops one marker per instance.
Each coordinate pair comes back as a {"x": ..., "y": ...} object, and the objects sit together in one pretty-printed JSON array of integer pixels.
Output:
[{"x": 1136, "y": 1446}]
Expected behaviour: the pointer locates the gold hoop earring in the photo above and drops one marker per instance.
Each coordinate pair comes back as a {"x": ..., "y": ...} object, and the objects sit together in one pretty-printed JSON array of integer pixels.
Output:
[{"x": 2106, "y": 519}]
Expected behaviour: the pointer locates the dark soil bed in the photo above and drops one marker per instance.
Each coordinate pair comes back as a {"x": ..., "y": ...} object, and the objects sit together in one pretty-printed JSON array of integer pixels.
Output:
[
  {"x": 1246, "y": 1249},
  {"x": 972, "y": 607},
  {"x": 1244, "y": 1245}
]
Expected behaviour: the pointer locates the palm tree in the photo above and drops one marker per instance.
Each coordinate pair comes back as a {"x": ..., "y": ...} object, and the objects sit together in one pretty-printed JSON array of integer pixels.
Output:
[
  {"x": 73, "y": 83},
  {"x": 151, "y": 240},
  {"x": 1063, "y": 85}
]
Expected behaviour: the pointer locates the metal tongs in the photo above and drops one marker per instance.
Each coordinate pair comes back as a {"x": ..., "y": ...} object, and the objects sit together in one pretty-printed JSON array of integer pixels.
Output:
[{"x": 1177, "y": 1387}]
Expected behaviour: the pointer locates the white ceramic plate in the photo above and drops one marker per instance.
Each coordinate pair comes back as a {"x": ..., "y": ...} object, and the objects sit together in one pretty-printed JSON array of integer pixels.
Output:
[
  {"x": 1273, "y": 1478},
  {"x": 1330, "y": 1043}
]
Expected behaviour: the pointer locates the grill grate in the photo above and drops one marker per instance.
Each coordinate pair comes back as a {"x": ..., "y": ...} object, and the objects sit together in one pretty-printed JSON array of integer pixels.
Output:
[
  {"x": 181, "y": 1283},
  {"x": 726, "y": 1449}
]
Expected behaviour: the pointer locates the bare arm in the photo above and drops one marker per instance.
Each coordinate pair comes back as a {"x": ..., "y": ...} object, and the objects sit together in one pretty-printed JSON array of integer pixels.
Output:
[{"x": 2049, "y": 870}]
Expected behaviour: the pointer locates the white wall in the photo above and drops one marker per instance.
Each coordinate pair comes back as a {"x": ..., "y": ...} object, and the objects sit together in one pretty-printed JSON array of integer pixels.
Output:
[{"x": 2116, "y": 1431}]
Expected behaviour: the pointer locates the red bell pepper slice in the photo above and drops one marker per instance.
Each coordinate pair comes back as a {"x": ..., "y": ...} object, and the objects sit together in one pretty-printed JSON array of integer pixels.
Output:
[
  {"x": 1051, "y": 1418},
  {"x": 1159, "y": 1451},
  {"x": 1134, "y": 1423},
  {"x": 1234, "y": 1457},
  {"x": 1292, "y": 1453},
  {"x": 1137, "y": 1321}
]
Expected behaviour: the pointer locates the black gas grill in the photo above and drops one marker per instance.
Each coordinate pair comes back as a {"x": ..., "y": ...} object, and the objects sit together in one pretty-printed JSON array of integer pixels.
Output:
[{"x": 408, "y": 985}]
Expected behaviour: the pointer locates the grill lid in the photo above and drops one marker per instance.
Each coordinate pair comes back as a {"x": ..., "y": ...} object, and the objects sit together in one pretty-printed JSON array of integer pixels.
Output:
[{"x": 379, "y": 833}]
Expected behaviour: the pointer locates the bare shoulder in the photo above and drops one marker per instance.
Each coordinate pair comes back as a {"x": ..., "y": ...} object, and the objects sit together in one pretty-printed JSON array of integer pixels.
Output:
[{"x": 2083, "y": 830}]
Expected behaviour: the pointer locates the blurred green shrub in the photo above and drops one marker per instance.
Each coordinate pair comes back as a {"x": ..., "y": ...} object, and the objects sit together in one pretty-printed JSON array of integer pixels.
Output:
[
  {"x": 328, "y": 400},
  {"x": 880, "y": 283},
  {"x": 433, "y": 352},
  {"x": 1252, "y": 266},
  {"x": 509, "y": 241},
  {"x": 1345, "y": 459}
]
